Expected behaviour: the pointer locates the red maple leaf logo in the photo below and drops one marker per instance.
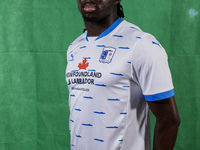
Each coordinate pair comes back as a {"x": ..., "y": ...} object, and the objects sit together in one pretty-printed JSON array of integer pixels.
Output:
[{"x": 83, "y": 65}]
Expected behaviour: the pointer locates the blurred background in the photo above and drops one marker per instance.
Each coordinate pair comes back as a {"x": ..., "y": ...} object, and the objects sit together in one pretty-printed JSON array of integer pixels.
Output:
[{"x": 34, "y": 36}]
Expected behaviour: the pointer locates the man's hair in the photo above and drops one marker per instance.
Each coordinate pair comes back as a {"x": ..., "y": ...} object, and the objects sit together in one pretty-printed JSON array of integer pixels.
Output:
[{"x": 120, "y": 11}]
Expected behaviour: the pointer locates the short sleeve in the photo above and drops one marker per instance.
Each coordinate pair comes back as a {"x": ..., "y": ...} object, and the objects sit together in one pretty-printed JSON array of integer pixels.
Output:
[{"x": 150, "y": 65}]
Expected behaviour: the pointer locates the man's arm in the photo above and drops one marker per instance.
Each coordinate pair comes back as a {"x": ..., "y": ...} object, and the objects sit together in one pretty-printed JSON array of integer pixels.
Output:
[{"x": 167, "y": 123}]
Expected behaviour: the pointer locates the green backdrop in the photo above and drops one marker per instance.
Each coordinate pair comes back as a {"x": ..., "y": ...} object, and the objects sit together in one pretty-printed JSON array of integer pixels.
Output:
[{"x": 34, "y": 36}]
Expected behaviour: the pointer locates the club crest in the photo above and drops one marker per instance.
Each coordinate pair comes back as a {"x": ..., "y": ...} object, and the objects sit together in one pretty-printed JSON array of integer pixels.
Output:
[{"x": 107, "y": 55}]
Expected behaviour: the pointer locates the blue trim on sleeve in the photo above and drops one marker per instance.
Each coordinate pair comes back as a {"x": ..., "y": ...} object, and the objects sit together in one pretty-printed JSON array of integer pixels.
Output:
[
  {"x": 107, "y": 31},
  {"x": 159, "y": 96}
]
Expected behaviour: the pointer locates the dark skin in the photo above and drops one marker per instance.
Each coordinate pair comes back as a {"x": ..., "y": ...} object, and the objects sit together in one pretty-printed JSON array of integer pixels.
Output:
[
  {"x": 167, "y": 123},
  {"x": 104, "y": 16},
  {"x": 98, "y": 15}
]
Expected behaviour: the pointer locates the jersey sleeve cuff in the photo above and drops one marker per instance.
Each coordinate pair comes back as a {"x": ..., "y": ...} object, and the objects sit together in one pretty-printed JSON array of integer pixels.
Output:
[{"x": 159, "y": 96}]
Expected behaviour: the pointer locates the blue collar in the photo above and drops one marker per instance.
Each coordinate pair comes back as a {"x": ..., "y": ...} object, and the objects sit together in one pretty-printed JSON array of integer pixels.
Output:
[{"x": 107, "y": 31}]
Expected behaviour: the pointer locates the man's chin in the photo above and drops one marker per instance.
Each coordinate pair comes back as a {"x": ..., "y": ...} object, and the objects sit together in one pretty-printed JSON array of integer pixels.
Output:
[{"x": 90, "y": 18}]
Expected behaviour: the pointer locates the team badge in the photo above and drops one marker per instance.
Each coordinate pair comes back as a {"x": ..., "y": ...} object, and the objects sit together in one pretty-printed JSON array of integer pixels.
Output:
[{"x": 107, "y": 55}]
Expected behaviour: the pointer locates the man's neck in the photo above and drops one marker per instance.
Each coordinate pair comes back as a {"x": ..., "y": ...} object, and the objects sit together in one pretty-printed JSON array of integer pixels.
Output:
[{"x": 95, "y": 28}]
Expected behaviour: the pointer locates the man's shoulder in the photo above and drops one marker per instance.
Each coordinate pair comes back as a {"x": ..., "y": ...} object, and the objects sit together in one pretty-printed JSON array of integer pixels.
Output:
[
  {"x": 134, "y": 30},
  {"x": 132, "y": 34},
  {"x": 130, "y": 25},
  {"x": 77, "y": 40},
  {"x": 131, "y": 30}
]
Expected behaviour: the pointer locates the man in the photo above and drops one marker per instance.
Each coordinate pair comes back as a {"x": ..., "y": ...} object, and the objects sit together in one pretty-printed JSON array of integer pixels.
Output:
[{"x": 115, "y": 73}]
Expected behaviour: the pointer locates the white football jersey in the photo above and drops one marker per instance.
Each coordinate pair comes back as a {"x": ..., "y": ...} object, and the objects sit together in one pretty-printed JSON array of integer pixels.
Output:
[{"x": 110, "y": 78}]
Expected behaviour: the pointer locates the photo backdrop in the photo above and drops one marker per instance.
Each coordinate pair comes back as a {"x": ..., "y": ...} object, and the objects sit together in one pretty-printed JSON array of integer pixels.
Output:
[{"x": 34, "y": 36}]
